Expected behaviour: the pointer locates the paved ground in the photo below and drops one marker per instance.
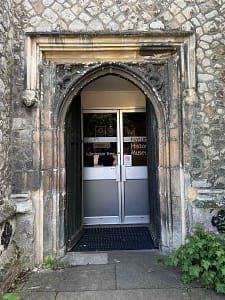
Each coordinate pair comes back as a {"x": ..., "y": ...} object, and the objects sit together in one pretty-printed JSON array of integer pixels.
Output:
[{"x": 123, "y": 276}]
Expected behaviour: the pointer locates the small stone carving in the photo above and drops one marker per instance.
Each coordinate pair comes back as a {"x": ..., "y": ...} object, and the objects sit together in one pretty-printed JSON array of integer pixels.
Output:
[
  {"x": 157, "y": 75},
  {"x": 190, "y": 96},
  {"x": 67, "y": 76},
  {"x": 29, "y": 98},
  {"x": 219, "y": 220},
  {"x": 154, "y": 77}
]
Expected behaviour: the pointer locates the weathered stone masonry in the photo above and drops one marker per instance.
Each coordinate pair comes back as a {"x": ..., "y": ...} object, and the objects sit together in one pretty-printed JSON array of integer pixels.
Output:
[
  {"x": 10, "y": 79},
  {"x": 7, "y": 208},
  {"x": 203, "y": 107},
  {"x": 6, "y": 44}
]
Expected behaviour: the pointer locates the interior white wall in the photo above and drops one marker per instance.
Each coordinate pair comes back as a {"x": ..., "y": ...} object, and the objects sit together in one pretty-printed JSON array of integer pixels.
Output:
[
  {"x": 112, "y": 99},
  {"x": 112, "y": 92}
]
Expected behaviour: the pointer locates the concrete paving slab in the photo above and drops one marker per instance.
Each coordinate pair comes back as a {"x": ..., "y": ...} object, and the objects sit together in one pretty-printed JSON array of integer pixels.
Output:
[
  {"x": 82, "y": 259},
  {"x": 144, "y": 271},
  {"x": 38, "y": 296},
  {"x": 152, "y": 255},
  {"x": 101, "y": 277},
  {"x": 69, "y": 296},
  {"x": 128, "y": 275},
  {"x": 43, "y": 280},
  {"x": 147, "y": 294},
  {"x": 201, "y": 293}
]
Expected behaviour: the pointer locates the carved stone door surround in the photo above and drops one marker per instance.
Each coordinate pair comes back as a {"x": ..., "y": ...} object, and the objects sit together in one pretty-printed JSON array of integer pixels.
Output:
[{"x": 58, "y": 66}]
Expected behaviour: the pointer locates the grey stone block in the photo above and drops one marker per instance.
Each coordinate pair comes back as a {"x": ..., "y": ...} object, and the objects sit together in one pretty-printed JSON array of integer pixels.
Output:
[{"x": 79, "y": 259}]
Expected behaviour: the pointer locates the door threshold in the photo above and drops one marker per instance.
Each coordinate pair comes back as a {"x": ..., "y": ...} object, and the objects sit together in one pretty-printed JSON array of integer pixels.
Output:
[{"x": 87, "y": 258}]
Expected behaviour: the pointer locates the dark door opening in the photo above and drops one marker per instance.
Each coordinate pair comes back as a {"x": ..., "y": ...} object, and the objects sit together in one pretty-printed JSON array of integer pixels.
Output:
[{"x": 75, "y": 173}]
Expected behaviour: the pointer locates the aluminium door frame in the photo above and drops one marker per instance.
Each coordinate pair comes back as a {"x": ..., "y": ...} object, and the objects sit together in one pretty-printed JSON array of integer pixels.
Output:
[
  {"x": 120, "y": 187},
  {"x": 101, "y": 110},
  {"x": 124, "y": 217}
]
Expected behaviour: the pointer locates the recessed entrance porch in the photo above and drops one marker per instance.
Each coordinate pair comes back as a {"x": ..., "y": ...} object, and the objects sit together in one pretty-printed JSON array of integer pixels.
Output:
[
  {"x": 116, "y": 148},
  {"x": 59, "y": 67}
]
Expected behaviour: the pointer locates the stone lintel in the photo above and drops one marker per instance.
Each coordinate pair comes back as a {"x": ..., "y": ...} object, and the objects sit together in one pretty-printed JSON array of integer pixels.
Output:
[{"x": 155, "y": 33}]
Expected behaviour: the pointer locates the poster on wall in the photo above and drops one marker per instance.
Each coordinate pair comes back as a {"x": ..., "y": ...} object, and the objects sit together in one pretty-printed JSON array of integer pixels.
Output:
[{"x": 128, "y": 160}]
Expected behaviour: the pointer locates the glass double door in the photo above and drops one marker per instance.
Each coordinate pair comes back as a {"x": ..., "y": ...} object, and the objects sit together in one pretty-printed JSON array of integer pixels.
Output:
[{"x": 115, "y": 180}]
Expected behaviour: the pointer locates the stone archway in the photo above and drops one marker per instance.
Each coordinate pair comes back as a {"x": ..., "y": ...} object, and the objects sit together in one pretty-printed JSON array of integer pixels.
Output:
[
  {"x": 63, "y": 72},
  {"x": 139, "y": 79},
  {"x": 73, "y": 136}
]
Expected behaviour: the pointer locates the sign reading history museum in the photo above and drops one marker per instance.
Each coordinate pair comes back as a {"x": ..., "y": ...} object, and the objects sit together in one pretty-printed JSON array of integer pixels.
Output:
[{"x": 138, "y": 146}]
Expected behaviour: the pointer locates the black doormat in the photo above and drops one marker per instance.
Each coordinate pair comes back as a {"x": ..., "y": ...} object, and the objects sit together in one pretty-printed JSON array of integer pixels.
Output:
[{"x": 114, "y": 238}]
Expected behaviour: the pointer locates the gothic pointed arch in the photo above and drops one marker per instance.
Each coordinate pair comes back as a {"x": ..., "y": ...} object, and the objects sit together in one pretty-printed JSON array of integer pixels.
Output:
[
  {"x": 70, "y": 86},
  {"x": 71, "y": 79}
]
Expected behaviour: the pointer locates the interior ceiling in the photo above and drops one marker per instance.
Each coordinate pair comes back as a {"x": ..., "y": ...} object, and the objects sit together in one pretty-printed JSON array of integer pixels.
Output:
[{"x": 110, "y": 83}]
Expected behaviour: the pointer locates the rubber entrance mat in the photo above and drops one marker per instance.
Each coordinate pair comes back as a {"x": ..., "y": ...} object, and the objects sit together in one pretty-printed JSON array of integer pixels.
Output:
[{"x": 114, "y": 238}]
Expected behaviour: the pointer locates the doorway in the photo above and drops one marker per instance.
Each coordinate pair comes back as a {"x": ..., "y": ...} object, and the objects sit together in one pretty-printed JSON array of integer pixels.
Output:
[
  {"x": 153, "y": 63},
  {"x": 115, "y": 180},
  {"x": 111, "y": 134}
]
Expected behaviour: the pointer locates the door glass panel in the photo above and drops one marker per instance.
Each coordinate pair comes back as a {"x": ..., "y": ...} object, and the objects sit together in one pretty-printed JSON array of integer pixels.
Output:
[
  {"x": 134, "y": 139},
  {"x": 100, "y": 154},
  {"x": 115, "y": 186},
  {"x": 99, "y": 124},
  {"x": 100, "y": 139}
]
